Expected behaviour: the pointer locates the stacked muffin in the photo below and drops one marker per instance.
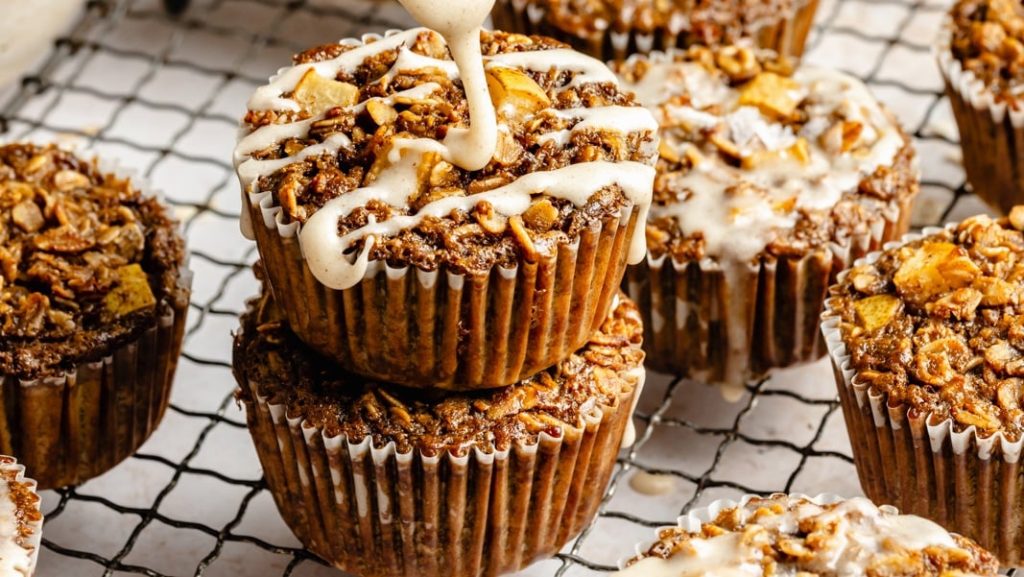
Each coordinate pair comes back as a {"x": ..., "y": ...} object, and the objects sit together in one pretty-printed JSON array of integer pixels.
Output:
[{"x": 439, "y": 373}]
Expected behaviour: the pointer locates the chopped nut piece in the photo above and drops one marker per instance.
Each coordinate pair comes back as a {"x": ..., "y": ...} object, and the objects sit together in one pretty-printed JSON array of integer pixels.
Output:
[
  {"x": 381, "y": 112},
  {"x": 541, "y": 215},
  {"x": 960, "y": 304},
  {"x": 318, "y": 94},
  {"x": 132, "y": 292},
  {"x": 27, "y": 216},
  {"x": 1017, "y": 217},
  {"x": 776, "y": 96},
  {"x": 514, "y": 88},
  {"x": 851, "y": 132}
]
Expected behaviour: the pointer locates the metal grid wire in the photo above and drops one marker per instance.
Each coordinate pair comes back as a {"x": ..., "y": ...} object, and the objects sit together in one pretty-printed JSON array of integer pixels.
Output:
[{"x": 163, "y": 94}]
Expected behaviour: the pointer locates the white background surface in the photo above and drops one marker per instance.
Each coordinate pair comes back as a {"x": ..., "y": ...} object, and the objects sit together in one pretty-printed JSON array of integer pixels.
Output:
[{"x": 163, "y": 97}]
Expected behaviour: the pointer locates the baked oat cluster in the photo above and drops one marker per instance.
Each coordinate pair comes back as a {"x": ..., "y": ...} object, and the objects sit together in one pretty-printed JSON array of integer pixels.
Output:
[
  {"x": 789, "y": 535},
  {"x": 988, "y": 40},
  {"x": 938, "y": 324},
  {"x": 757, "y": 158},
  {"x": 269, "y": 355},
  {"x": 410, "y": 92},
  {"x": 85, "y": 259}
]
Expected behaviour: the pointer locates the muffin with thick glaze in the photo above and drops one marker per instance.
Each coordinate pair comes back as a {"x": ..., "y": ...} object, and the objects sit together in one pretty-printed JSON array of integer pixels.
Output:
[
  {"x": 796, "y": 535},
  {"x": 386, "y": 481},
  {"x": 980, "y": 51},
  {"x": 928, "y": 345},
  {"x": 21, "y": 521},
  {"x": 93, "y": 296},
  {"x": 770, "y": 181},
  {"x": 391, "y": 258},
  {"x": 614, "y": 30}
]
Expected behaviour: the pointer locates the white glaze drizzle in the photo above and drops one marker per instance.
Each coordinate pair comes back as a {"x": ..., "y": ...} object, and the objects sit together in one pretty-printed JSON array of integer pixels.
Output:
[
  {"x": 864, "y": 533},
  {"x": 14, "y": 559},
  {"x": 328, "y": 254}
]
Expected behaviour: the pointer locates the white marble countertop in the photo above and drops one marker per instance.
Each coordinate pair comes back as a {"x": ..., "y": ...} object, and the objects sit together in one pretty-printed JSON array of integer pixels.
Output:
[{"x": 163, "y": 96}]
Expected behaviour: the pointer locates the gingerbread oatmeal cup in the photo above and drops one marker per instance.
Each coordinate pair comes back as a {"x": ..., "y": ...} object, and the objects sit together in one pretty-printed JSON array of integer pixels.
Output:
[
  {"x": 93, "y": 295},
  {"x": 981, "y": 55},
  {"x": 21, "y": 521},
  {"x": 385, "y": 481},
  {"x": 615, "y": 29},
  {"x": 770, "y": 181},
  {"x": 927, "y": 341},
  {"x": 391, "y": 257},
  {"x": 824, "y": 536}
]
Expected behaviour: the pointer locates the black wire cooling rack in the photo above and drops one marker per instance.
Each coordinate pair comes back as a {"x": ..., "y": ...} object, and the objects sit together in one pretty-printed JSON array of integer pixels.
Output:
[{"x": 163, "y": 94}]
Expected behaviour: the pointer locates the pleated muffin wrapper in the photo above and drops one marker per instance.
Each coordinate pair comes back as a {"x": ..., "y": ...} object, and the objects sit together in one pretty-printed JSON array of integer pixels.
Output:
[
  {"x": 927, "y": 465},
  {"x": 786, "y": 35},
  {"x": 440, "y": 329},
  {"x": 726, "y": 324},
  {"x": 34, "y": 541},
  {"x": 70, "y": 426},
  {"x": 695, "y": 519},
  {"x": 378, "y": 512},
  {"x": 991, "y": 132}
]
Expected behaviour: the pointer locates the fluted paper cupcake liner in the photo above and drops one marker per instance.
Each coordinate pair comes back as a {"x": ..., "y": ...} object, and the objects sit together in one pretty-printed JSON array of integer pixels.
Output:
[
  {"x": 695, "y": 519},
  {"x": 787, "y": 35},
  {"x": 924, "y": 465},
  {"x": 34, "y": 540},
  {"x": 444, "y": 330},
  {"x": 707, "y": 322},
  {"x": 377, "y": 512},
  {"x": 72, "y": 426},
  {"x": 991, "y": 133}
]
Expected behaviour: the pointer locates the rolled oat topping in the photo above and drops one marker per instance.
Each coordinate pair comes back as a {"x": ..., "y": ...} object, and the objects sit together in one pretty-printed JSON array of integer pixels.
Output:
[
  {"x": 349, "y": 146},
  {"x": 937, "y": 325},
  {"x": 86, "y": 260},
  {"x": 756, "y": 158},
  {"x": 988, "y": 40},
  {"x": 19, "y": 518},
  {"x": 801, "y": 537},
  {"x": 563, "y": 397},
  {"x": 706, "y": 22}
]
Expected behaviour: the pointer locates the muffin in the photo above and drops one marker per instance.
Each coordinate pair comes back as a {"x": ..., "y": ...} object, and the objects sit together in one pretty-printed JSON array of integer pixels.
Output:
[
  {"x": 93, "y": 297},
  {"x": 21, "y": 521},
  {"x": 981, "y": 55},
  {"x": 404, "y": 267},
  {"x": 614, "y": 30},
  {"x": 796, "y": 535},
  {"x": 769, "y": 182},
  {"x": 383, "y": 481},
  {"x": 926, "y": 340}
]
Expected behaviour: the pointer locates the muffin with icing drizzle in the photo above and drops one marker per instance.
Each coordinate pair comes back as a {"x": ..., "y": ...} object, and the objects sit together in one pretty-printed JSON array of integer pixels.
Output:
[
  {"x": 819, "y": 537},
  {"x": 928, "y": 345},
  {"x": 614, "y": 30},
  {"x": 770, "y": 181},
  {"x": 402, "y": 247},
  {"x": 21, "y": 521},
  {"x": 410, "y": 482},
  {"x": 93, "y": 296},
  {"x": 980, "y": 51}
]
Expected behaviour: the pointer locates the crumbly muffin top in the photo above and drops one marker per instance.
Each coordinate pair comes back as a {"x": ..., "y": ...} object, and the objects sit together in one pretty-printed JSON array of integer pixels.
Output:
[
  {"x": 707, "y": 22},
  {"x": 757, "y": 158},
  {"x": 20, "y": 517},
  {"x": 85, "y": 260},
  {"x": 938, "y": 324},
  {"x": 350, "y": 144},
  {"x": 782, "y": 535},
  {"x": 605, "y": 372},
  {"x": 988, "y": 40}
]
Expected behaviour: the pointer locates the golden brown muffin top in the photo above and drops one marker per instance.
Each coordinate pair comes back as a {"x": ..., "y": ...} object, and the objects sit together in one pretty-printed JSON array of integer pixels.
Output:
[
  {"x": 603, "y": 373},
  {"x": 938, "y": 324},
  {"x": 86, "y": 260}
]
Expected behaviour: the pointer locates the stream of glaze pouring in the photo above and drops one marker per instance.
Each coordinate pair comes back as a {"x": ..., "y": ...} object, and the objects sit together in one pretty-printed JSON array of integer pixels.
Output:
[{"x": 328, "y": 254}]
